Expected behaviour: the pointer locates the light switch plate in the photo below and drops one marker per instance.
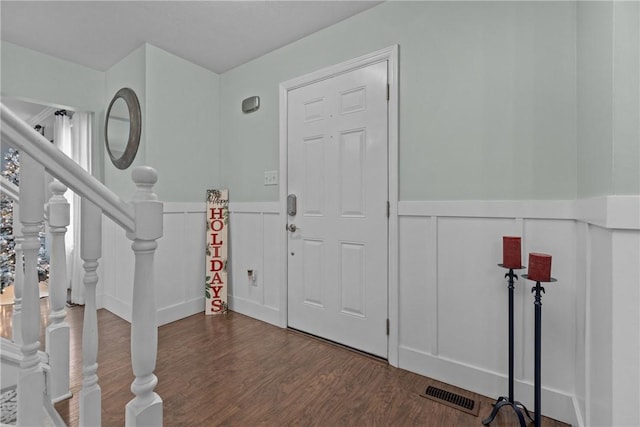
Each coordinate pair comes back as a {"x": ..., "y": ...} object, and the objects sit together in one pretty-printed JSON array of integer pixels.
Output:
[{"x": 271, "y": 178}]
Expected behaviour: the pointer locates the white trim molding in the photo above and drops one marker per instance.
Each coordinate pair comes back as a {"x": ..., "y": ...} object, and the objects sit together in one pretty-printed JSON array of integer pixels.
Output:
[
  {"x": 540, "y": 209},
  {"x": 613, "y": 212}
]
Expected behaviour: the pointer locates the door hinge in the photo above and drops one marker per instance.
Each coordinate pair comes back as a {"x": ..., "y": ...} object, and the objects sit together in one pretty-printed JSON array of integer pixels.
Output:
[
  {"x": 388, "y": 209},
  {"x": 388, "y": 327},
  {"x": 388, "y": 91}
]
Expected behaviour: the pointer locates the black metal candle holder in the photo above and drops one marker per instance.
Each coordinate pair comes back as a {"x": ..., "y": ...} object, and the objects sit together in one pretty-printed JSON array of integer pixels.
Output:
[
  {"x": 539, "y": 290},
  {"x": 503, "y": 400}
]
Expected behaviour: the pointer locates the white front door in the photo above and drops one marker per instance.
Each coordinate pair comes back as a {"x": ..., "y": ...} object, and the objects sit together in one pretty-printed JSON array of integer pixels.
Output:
[{"x": 338, "y": 171}]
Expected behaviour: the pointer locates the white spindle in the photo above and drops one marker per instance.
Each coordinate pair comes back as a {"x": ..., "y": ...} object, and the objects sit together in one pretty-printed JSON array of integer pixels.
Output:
[
  {"x": 91, "y": 251},
  {"x": 57, "y": 333},
  {"x": 145, "y": 409},
  {"x": 18, "y": 276},
  {"x": 31, "y": 377}
]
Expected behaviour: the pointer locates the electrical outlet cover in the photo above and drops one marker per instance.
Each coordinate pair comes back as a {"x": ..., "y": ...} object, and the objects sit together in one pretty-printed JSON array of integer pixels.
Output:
[{"x": 271, "y": 178}]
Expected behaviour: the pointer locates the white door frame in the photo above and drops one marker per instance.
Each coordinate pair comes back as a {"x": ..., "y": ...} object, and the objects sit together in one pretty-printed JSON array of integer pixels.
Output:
[{"x": 389, "y": 54}]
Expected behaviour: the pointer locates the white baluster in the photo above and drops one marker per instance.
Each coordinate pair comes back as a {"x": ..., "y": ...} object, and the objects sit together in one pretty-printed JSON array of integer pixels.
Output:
[
  {"x": 18, "y": 276},
  {"x": 91, "y": 251},
  {"x": 57, "y": 333},
  {"x": 31, "y": 377},
  {"x": 145, "y": 409}
]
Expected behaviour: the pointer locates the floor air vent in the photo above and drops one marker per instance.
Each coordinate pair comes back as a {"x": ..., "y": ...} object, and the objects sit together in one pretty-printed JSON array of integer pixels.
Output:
[{"x": 454, "y": 400}]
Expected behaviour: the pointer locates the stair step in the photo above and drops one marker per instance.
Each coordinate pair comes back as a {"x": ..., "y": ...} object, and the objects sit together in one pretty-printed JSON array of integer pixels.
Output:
[
  {"x": 8, "y": 406},
  {"x": 9, "y": 410}
]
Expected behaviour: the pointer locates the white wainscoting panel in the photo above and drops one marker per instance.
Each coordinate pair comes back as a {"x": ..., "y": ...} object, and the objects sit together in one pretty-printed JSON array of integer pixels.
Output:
[
  {"x": 418, "y": 299},
  {"x": 117, "y": 267},
  {"x": 599, "y": 329},
  {"x": 582, "y": 251},
  {"x": 625, "y": 327},
  {"x": 256, "y": 244},
  {"x": 272, "y": 249},
  {"x": 245, "y": 231},
  {"x": 471, "y": 291},
  {"x": 179, "y": 265},
  {"x": 180, "y": 262},
  {"x": 557, "y": 238},
  {"x": 454, "y": 297},
  {"x": 453, "y": 301}
]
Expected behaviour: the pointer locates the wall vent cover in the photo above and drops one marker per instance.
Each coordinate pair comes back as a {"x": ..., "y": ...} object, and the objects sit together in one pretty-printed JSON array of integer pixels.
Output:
[{"x": 454, "y": 400}]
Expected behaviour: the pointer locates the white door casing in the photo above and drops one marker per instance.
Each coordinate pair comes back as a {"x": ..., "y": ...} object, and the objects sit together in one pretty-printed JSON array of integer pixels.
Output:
[
  {"x": 337, "y": 169},
  {"x": 390, "y": 55}
]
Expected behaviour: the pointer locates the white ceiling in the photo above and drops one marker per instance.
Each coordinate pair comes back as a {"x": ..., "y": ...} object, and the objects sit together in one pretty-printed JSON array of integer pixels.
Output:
[{"x": 217, "y": 35}]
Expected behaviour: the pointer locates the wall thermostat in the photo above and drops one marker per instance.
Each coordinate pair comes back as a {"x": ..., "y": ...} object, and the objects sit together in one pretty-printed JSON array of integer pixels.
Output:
[{"x": 251, "y": 104}]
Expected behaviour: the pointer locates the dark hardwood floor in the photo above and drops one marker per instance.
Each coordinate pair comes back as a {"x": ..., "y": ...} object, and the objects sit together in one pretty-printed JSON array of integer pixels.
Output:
[{"x": 232, "y": 370}]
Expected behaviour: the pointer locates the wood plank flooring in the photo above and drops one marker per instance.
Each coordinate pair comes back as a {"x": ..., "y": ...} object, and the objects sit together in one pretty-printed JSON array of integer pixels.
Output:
[{"x": 232, "y": 370}]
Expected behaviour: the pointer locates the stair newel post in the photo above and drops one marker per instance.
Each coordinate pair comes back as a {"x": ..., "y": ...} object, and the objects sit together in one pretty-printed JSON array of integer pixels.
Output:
[
  {"x": 31, "y": 377},
  {"x": 145, "y": 409},
  {"x": 57, "y": 332},
  {"x": 18, "y": 278},
  {"x": 90, "y": 252}
]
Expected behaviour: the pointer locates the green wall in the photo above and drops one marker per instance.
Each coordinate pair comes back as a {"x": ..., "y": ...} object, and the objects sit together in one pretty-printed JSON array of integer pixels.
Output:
[
  {"x": 129, "y": 72},
  {"x": 180, "y": 112},
  {"x": 608, "y": 64},
  {"x": 487, "y": 99},
  {"x": 180, "y": 137},
  {"x": 183, "y": 126},
  {"x": 626, "y": 98},
  {"x": 35, "y": 77},
  {"x": 498, "y": 100}
]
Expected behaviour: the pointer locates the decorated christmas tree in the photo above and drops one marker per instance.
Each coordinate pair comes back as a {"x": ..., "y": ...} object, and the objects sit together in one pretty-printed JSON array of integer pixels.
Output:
[
  {"x": 11, "y": 172},
  {"x": 7, "y": 251}
]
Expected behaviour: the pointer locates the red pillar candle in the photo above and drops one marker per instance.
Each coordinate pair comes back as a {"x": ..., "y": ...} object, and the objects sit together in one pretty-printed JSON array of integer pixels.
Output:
[
  {"x": 511, "y": 256},
  {"x": 539, "y": 267}
]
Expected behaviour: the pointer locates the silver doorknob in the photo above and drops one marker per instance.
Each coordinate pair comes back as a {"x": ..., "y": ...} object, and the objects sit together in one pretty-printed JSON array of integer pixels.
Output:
[{"x": 292, "y": 227}]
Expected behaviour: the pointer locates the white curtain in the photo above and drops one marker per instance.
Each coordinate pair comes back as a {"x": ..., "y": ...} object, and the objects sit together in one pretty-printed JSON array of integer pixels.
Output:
[
  {"x": 81, "y": 153},
  {"x": 73, "y": 137}
]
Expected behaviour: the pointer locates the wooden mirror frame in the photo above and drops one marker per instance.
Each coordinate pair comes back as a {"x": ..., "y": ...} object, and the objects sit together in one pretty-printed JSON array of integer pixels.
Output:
[{"x": 135, "y": 128}]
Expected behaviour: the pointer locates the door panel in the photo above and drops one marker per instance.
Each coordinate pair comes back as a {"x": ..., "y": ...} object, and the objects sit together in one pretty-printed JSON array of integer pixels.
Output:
[{"x": 337, "y": 168}]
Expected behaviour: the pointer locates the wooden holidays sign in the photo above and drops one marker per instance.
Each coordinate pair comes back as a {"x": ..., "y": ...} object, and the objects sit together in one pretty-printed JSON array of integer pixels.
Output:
[{"x": 216, "y": 261}]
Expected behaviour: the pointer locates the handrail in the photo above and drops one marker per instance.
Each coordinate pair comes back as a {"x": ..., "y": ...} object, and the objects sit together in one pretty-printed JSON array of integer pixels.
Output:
[
  {"x": 10, "y": 189},
  {"x": 22, "y": 137},
  {"x": 142, "y": 220}
]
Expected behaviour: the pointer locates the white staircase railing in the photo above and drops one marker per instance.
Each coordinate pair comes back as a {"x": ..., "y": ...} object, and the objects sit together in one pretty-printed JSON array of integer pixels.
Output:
[
  {"x": 141, "y": 219},
  {"x": 57, "y": 331}
]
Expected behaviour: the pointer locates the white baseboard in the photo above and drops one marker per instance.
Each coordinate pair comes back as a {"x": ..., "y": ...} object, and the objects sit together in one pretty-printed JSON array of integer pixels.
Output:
[
  {"x": 256, "y": 311},
  {"x": 557, "y": 405},
  {"x": 165, "y": 315},
  {"x": 180, "y": 311},
  {"x": 117, "y": 307}
]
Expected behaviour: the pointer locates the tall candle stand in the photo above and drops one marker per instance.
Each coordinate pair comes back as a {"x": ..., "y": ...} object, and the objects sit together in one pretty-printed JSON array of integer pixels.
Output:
[
  {"x": 502, "y": 400},
  {"x": 539, "y": 290}
]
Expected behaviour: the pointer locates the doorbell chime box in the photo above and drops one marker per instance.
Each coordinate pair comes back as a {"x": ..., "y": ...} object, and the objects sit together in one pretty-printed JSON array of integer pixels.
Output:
[{"x": 251, "y": 104}]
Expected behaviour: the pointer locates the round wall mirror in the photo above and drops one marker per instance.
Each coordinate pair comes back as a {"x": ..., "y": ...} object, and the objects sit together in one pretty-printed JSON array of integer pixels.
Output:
[{"x": 122, "y": 128}]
